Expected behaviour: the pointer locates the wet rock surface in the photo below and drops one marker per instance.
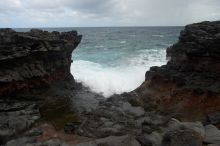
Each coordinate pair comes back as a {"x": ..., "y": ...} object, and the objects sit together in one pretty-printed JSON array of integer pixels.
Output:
[
  {"x": 182, "y": 137},
  {"x": 34, "y": 59},
  {"x": 212, "y": 135},
  {"x": 189, "y": 84},
  {"x": 46, "y": 107},
  {"x": 31, "y": 63},
  {"x": 16, "y": 116}
]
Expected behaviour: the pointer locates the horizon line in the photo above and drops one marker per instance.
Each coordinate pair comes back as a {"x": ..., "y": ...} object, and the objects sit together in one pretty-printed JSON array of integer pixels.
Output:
[{"x": 91, "y": 26}]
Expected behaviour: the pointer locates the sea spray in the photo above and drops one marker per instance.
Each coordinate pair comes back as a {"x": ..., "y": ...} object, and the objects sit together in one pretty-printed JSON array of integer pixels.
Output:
[
  {"x": 114, "y": 60},
  {"x": 115, "y": 80}
]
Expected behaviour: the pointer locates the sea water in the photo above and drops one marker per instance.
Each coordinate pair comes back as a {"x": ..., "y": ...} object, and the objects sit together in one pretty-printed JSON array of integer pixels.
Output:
[{"x": 113, "y": 60}]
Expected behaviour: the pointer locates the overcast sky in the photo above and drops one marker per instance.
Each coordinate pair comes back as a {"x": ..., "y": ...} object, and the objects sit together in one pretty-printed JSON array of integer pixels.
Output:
[{"x": 73, "y": 13}]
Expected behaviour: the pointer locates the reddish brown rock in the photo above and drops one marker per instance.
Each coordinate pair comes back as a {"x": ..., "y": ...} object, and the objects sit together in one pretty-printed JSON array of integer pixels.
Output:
[
  {"x": 34, "y": 59},
  {"x": 34, "y": 65},
  {"x": 190, "y": 82}
]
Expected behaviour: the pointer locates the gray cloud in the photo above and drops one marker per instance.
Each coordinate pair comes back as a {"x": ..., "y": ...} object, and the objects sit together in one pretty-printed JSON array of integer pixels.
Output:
[
  {"x": 92, "y": 6},
  {"x": 26, "y": 13},
  {"x": 7, "y": 6}
]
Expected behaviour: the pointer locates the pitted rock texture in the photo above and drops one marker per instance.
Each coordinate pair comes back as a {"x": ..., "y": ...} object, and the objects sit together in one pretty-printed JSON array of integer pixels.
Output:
[
  {"x": 189, "y": 84},
  {"x": 34, "y": 59},
  {"x": 31, "y": 64}
]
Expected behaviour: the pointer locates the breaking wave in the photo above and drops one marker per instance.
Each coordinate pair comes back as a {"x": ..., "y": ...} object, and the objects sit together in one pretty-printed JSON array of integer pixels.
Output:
[{"x": 123, "y": 77}]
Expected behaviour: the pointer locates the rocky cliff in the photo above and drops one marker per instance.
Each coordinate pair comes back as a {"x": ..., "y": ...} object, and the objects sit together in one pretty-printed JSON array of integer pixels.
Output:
[
  {"x": 189, "y": 84},
  {"x": 34, "y": 76},
  {"x": 34, "y": 59},
  {"x": 186, "y": 88}
]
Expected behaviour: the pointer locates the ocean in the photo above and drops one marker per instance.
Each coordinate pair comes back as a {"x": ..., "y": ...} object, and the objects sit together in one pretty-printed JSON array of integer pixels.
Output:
[{"x": 113, "y": 60}]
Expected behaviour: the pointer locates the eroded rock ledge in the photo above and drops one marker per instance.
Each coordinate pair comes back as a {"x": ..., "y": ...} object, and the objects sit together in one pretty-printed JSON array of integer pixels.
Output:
[
  {"x": 34, "y": 59},
  {"x": 190, "y": 82},
  {"x": 35, "y": 78}
]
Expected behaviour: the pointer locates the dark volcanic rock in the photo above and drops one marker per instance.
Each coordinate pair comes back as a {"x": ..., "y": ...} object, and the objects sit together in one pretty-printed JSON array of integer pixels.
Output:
[
  {"x": 214, "y": 118},
  {"x": 35, "y": 81},
  {"x": 15, "y": 117},
  {"x": 182, "y": 137},
  {"x": 212, "y": 135},
  {"x": 34, "y": 59},
  {"x": 32, "y": 64},
  {"x": 189, "y": 84}
]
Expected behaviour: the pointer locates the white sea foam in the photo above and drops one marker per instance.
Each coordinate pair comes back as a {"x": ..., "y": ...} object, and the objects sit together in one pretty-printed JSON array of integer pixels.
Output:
[
  {"x": 158, "y": 35},
  {"x": 125, "y": 77},
  {"x": 123, "y": 42},
  {"x": 99, "y": 46}
]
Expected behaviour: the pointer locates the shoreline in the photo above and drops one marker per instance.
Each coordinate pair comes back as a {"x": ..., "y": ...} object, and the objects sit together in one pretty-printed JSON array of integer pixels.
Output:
[{"x": 70, "y": 114}]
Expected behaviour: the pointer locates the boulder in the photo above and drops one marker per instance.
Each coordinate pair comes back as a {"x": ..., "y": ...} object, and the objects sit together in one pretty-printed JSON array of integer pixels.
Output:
[
  {"x": 212, "y": 135},
  {"x": 136, "y": 111},
  {"x": 214, "y": 118},
  {"x": 182, "y": 137},
  {"x": 153, "y": 139},
  {"x": 125, "y": 140},
  {"x": 195, "y": 126},
  {"x": 27, "y": 141}
]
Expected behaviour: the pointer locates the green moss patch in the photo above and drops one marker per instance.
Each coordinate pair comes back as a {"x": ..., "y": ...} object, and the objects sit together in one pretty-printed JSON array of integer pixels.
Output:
[{"x": 58, "y": 113}]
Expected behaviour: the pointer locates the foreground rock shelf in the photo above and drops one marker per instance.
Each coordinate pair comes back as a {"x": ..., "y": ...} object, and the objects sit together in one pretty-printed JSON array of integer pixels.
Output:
[{"x": 178, "y": 104}]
